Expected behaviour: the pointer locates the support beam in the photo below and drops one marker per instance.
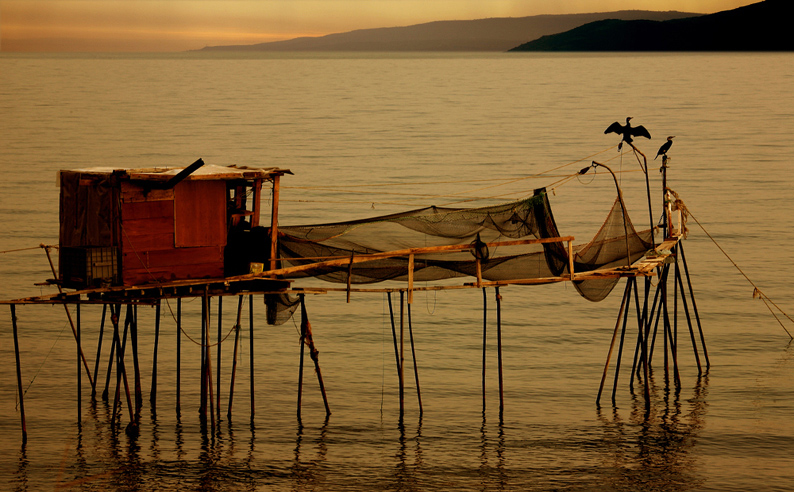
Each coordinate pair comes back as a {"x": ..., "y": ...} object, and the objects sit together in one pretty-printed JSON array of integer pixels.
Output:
[
  {"x": 98, "y": 352},
  {"x": 413, "y": 356},
  {"x": 20, "y": 392},
  {"x": 499, "y": 353},
  {"x": 484, "y": 340},
  {"x": 153, "y": 392},
  {"x": 234, "y": 358}
]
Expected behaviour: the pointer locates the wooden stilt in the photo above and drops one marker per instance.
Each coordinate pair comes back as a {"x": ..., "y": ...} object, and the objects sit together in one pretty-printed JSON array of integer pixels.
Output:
[
  {"x": 208, "y": 363},
  {"x": 646, "y": 345},
  {"x": 629, "y": 287},
  {"x": 688, "y": 318},
  {"x": 136, "y": 366},
  {"x": 114, "y": 319},
  {"x": 651, "y": 314},
  {"x": 694, "y": 304},
  {"x": 98, "y": 352},
  {"x": 234, "y": 358},
  {"x": 121, "y": 374},
  {"x": 499, "y": 352},
  {"x": 79, "y": 369},
  {"x": 413, "y": 356},
  {"x": 639, "y": 353},
  {"x": 69, "y": 315},
  {"x": 626, "y": 291},
  {"x": 178, "y": 357},
  {"x": 218, "y": 356},
  {"x": 484, "y": 340},
  {"x": 402, "y": 354},
  {"x": 251, "y": 349},
  {"x": 314, "y": 354},
  {"x": 203, "y": 351},
  {"x": 669, "y": 332},
  {"x": 153, "y": 392},
  {"x": 117, "y": 343},
  {"x": 394, "y": 338},
  {"x": 300, "y": 370},
  {"x": 20, "y": 392}
]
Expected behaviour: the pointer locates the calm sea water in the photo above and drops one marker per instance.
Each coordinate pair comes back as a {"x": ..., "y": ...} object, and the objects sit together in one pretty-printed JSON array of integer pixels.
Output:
[{"x": 370, "y": 134}]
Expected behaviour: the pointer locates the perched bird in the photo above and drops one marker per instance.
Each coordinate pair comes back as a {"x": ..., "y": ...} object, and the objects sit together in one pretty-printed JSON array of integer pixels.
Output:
[
  {"x": 627, "y": 131},
  {"x": 665, "y": 147}
]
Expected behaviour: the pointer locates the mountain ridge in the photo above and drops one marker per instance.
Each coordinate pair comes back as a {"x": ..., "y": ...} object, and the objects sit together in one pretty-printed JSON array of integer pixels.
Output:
[
  {"x": 760, "y": 26},
  {"x": 490, "y": 34}
]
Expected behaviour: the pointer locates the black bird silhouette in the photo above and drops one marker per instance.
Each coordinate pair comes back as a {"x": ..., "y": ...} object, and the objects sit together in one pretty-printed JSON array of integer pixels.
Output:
[
  {"x": 627, "y": 131},
  {"x": 665, "y": 147}
]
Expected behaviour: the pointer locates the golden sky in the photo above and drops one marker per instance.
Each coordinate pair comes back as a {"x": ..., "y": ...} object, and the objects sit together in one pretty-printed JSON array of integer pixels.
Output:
[{"x": 178, "y": 25}]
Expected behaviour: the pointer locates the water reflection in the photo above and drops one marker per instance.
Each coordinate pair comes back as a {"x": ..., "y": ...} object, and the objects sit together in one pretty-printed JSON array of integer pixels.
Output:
[
  {"x": 406, "y": 471},
  {"x": 306, "y": 472},
  {"x": 653, "y": 449},
  {"x": 492, "y": 474},
  {"x": 21, "y": 474}
]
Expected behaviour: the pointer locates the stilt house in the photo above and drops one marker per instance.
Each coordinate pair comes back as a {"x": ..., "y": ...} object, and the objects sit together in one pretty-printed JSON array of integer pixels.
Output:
[{"x": 144, "y": 226}]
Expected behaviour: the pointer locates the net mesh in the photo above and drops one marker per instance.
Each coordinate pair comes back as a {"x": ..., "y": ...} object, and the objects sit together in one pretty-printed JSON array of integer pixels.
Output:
[{"x": 436, "y": 226}]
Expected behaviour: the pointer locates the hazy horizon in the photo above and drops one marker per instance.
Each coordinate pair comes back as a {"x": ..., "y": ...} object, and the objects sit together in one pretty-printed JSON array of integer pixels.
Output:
[{"x": 180, "y": 25}]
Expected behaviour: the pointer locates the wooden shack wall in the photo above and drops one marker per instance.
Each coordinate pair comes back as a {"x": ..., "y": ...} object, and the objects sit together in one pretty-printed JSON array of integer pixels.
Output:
[
  {"x": 173, "y": 234},
  {"x": 88, "y": 211}
]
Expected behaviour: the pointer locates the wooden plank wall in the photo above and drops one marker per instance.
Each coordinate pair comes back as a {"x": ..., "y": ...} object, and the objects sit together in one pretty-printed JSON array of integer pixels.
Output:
[{"x": 152, "y": 221}]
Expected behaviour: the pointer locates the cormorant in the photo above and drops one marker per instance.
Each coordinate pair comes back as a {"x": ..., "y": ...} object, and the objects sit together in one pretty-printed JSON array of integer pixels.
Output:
[
  {"x": 665, "y": 147},
  {"x": 627, "y": 131}
]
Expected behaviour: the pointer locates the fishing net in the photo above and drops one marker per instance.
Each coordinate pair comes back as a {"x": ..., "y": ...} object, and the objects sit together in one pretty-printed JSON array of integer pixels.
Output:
[{"x": 438, "y": 226}]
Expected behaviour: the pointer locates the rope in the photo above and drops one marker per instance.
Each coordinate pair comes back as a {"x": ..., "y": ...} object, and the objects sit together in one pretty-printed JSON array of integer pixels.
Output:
[
  {"x": 756, "y": 291},
  {"x": 27, "y": 249},
  {"x": 41, "y": 365},
  {"x": 498, "y": 182}
]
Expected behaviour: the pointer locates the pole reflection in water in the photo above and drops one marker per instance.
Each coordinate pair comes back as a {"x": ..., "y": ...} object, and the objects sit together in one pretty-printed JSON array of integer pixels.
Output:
[
  {"x": 492, "y": 474},
  {"x": 308, "y": 473},
  {"x": 20, "y": 481},
  {"x": 652, "y": 450}
]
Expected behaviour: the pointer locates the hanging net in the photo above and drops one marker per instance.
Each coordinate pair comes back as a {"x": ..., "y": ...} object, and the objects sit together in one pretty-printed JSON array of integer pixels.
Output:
[{"x": 437, "y": 226}]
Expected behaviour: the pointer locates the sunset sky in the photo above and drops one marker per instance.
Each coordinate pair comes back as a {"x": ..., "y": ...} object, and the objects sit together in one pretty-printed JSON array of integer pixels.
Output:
[{"x": 177, "y": 25}]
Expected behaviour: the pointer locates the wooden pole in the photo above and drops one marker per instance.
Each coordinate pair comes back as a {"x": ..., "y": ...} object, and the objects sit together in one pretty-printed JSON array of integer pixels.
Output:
[
  {"x": 688, "y": 318},
  {"x": 136, "y": 367},
  {"x": 694, "y": 304},
  {"x": 79, "y": 369},
  {"x": 484, "y": 340},
  {"x": 499, "y": 351},
  {"x": 19, "y": 374},
  {"x": 121, "y": 374},
  {"x": 98, "y": 352},
  {"x": 394, "y": 338},
  {"x": 314, "y": 354},
  {"x": 234, "y": 358},
  {"x": 410, "y": 280},
  {"x": 300, "y": 367},
  {"x": 69, "y": 316},
  {"x": 178, "y": 357},
  {"x": 218, "y": 357},
  {"x": 153, "y": 392},
  {"x": 114, "y": 319},
  {"x": 413, "y": 356},
  {"x": 208, "y": 362},
  {"x": 203, "y": 352},
  {"x": 630, "y": 285},
  {"x": 626, "y": 291},
  {"x": 274, "y": 224},
  {"x": 251, "y": 349},
  {"x": 402, "y": 355}
]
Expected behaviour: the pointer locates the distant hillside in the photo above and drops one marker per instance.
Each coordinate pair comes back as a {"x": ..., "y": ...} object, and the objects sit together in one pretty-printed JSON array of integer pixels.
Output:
[
  {"x": 763, "y": 26},
  {"x": 496, "y": 34}
]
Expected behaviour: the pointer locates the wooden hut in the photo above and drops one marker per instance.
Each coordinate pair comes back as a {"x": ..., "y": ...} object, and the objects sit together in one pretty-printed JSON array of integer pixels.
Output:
[{"x": 143, "y": 226}]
